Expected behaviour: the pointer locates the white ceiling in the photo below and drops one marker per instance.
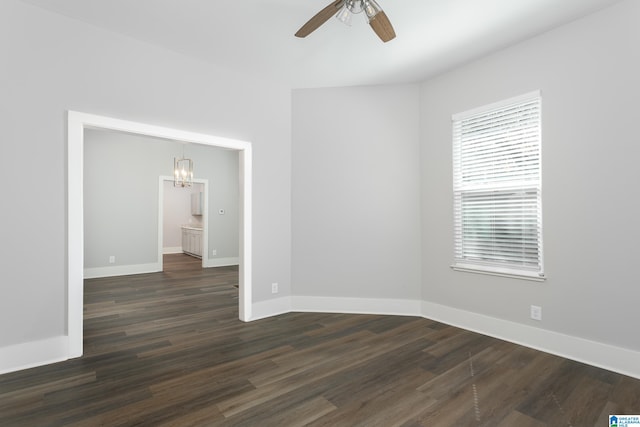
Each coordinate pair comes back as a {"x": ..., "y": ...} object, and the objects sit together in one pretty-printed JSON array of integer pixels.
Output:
[{"x": 257, "y": 35}]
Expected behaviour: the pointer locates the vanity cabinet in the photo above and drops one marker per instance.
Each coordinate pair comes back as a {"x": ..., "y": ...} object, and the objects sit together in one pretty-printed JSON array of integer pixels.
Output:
[{"x": 192, "y": 241}]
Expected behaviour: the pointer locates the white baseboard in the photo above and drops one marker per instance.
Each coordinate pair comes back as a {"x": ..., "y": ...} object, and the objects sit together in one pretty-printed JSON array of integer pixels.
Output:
[
  {"x": 172, "y": 250},
  {"x": 121, "y": 270},
  {"x": 606, "y": 356},
  {"x": 399, "y": 307},
  {"x": 221, "y": 262},
  {"x": 282, "y": 305},
  {"x": 270, "y": 308},
  {"x": 35, "y": 353}
]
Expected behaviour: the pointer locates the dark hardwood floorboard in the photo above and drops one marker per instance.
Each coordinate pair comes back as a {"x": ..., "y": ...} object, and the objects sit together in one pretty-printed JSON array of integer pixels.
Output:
[{"x": 167, "y": 349}]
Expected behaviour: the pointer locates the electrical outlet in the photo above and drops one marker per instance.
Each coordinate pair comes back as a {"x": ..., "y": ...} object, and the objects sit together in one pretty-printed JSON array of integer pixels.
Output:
[
  {"x": 214, "y": 252},
  {"x": 112, "y": 259},
  {"x": 274, "y": 288},
  {"x": 536, "y": 312}
]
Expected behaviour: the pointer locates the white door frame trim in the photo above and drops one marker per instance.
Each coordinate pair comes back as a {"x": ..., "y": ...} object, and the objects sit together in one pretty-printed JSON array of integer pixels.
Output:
[{"x": 76, "y": 124}]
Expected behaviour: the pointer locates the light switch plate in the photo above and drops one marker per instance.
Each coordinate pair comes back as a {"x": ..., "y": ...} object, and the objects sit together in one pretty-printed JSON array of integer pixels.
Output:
[{"x": 536, "y": 312}]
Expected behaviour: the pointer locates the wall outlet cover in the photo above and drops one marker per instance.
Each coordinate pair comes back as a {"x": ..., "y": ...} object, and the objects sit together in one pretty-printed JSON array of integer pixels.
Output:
[
  {"x": 274, "y": 288},
  {"x": 536, "y": 312}
]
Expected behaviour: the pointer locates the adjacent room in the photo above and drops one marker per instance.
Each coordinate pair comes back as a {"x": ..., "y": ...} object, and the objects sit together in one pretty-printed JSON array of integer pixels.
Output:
[{"x": 424, "y": 217}]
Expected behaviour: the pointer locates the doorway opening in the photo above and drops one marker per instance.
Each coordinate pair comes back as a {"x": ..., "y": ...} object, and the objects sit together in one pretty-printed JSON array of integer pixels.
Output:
[
  {"x": 77, "y": 123},
  {"x": 179, "y": 229}
]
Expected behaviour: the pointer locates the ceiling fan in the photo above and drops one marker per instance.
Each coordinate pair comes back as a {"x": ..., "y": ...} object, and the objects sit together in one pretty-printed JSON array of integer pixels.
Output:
[{"x": 344, "y": 10}]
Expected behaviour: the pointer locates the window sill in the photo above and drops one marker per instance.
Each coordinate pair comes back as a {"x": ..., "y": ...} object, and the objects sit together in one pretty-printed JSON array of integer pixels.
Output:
[{"x": 534, "y": 277}]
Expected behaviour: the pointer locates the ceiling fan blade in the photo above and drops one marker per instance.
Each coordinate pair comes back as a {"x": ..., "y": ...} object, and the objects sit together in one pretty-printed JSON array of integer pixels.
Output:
[
  {"x": 319, "y": 19},
  {"x": 382, "y": 26}
]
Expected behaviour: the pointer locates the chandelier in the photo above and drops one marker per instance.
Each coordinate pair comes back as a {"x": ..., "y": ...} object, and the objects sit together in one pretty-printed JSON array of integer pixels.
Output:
[{"x": 182, "y": 171}]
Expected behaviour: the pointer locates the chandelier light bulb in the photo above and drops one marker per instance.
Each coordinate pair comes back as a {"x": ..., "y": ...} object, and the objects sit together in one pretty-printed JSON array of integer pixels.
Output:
[
  {"x": 344, "y": 15},
  {"x": 371, "y": 8}
]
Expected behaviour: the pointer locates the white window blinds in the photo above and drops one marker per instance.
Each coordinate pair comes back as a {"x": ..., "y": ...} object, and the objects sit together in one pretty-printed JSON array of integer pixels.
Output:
[{"x": 497, "y": 188}]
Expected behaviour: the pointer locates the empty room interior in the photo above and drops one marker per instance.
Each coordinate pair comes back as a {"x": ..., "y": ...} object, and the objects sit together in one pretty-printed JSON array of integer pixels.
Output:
[{"x": 249, "y": 213}]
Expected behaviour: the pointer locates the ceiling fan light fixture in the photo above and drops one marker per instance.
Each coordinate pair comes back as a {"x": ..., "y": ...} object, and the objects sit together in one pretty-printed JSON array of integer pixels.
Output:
[
  {"x": 371, "y": 8},
  {"x": 344, "y": 11},
  {"x": 354, "y": 6},
  {"x": 344, "y": 15}
]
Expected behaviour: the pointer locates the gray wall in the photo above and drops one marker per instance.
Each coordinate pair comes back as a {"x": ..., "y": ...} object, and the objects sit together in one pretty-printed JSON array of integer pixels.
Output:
[
  {"x": 587, "y": 72},
  {"x": 121, "y": 195},
  {"x": 356, "y": 209},
  {"x": 222, "y": 172},
  {"x": 52, "y": 64}
]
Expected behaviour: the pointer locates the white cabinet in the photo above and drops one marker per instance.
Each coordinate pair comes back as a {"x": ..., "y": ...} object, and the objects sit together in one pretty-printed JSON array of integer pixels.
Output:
[{"x": 192, "y": 241}]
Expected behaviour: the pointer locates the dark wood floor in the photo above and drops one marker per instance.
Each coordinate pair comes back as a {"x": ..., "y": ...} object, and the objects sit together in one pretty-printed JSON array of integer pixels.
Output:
[{"x": 167, "y": 349}]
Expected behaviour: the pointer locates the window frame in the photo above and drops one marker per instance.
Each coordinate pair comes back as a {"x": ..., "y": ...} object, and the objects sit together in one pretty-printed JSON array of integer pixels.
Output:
[{"x": 462, "y": 262}]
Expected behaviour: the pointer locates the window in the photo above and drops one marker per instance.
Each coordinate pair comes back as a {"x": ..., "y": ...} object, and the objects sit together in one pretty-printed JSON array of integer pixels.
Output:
[{"x": 497, "y": 188}]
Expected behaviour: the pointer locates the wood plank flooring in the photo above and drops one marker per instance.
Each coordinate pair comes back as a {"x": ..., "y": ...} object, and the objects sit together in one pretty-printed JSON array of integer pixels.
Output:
[{"x": 167, "y": 349}]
